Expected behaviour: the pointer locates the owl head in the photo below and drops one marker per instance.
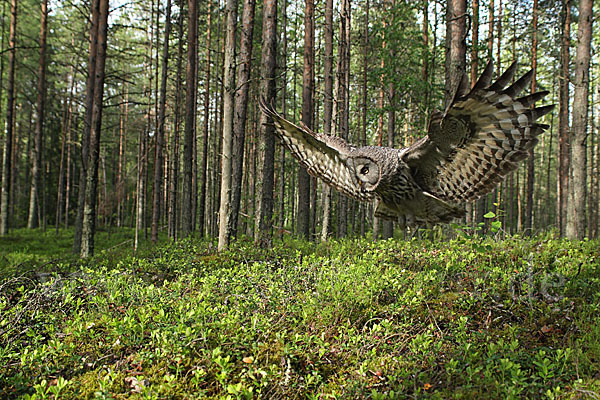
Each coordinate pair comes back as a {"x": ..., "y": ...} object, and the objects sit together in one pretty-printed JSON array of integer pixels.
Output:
[{"x": 366, "y": 171}]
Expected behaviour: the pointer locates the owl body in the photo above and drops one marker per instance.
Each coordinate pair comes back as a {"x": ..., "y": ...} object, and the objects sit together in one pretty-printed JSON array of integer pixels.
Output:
[{"x": 469, "y": 148}]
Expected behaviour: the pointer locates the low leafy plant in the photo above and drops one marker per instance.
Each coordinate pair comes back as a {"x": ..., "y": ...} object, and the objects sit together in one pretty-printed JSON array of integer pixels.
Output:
[{"x": 464, "y": 318}]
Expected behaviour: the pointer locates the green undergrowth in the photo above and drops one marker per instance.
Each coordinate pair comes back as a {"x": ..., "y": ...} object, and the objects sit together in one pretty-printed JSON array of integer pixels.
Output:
[
  {"x": 467, "y": 318},
  {"x": 48, "y": 251}
]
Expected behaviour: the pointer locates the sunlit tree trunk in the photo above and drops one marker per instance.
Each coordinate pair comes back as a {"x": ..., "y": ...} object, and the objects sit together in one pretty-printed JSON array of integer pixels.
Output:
[
  {"x": 307, "y": 116},
  {"x": 241, "y": 108},
  {"x": 228, "y": 111},
  {"x": 328, "y": 107},
  {"x": 267, "y": 89},
  {"x": 577, "y": 189}
]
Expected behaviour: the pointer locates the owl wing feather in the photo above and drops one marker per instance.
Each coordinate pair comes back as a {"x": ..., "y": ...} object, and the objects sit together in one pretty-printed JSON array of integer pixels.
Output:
[
  {"x": 479, "y": 139},
  {"x": 322, "y": 155}
]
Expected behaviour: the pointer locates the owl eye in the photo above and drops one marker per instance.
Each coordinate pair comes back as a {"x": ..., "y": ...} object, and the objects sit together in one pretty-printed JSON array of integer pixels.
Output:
[{"x": 364, "y": 170}]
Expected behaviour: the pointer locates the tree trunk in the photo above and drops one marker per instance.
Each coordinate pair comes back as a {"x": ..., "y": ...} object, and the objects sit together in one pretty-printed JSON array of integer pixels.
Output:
[
  {"x": 531, "y": 160},
  {"x": 267, "y": 89},
  {"x": 160, "y": 134},
  {"x": 228, "y": 111},
  {"x": 205, "y": 132},
  {"x": 8, "y": 144},
  {"x": 307, "y": 115},
  {"x": 456, "y": 48},
  {"x": 578, "y": 187},
  {"x": 63, "y": 173},
  {"x": 241, "y": 107},
  {"x": 563, "y": 118},
  {"x": 328, "y": 106},
  {"x": 473, "y": 78},
  {"x": 190, "y": 116},
  {"x": 174, "y": 164},
  {"x": 388, "y": 226},
  {"x": 89, "y": 212},
  {"x": 282, "y": 175},
  {"x": 87, "y": 123},
  {"x": 34, "y": 200},
  {"x": 343, "y": 100}
]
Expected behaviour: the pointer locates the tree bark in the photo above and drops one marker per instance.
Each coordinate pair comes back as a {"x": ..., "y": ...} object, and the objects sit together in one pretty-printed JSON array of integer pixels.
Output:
[
  {"x": 160, "y": 134},
  {"x": 228, "y": 111},
  {"x": 307, "y": 116},
  {"x": 34, "y": 200},
  {"x": 578, "y": 186},
  {"x": 87, "y": 123},
  {"x": 190, "y": 116},
  {"x": 563, "y": 118},
  {"x": 328, "y": 106},
  {"x": 343, "y": 100},
  {"x": 89, "y": 211},
  {"x": 456, "y": 48},
  {"x": 241, "y": 108},
  {"x": 531, "y": 160},
  {"x": 7, "y": 155},
  {"x": 267, "y": 89}
]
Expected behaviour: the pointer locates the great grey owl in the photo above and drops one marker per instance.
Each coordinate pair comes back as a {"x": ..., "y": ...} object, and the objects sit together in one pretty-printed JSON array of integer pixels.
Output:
[{"x": 469, "y": 148}]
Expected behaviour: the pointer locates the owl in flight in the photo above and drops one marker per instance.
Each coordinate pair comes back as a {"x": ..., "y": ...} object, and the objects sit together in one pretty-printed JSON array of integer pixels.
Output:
[{"x": 468, "y": 149}]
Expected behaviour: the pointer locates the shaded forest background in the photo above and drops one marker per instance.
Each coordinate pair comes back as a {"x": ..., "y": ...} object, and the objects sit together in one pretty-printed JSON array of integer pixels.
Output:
[{"x": 144, "y": 113}]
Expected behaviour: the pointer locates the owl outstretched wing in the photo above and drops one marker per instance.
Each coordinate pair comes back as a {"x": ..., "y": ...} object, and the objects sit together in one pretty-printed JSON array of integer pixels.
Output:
[
  {"x": 479, "y": 139},
  {"x": 323, "y": 156}
]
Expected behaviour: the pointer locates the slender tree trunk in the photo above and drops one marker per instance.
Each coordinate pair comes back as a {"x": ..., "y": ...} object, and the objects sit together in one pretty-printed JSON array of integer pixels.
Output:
[
  {"x": 63, "y": 173},
  {"x": 307, "y": 115},
  {"x": 190, "y": 116},
  {"x": 241, "y": 107},
  {"x": 89, "y": 211},
  {"x": 363, "y": 207},
  {"x": 578, "y": 187},
  {"x": 87, "y": 123},
  {"x": 563, "y": 118},
  {"x": 228, "y": 111},
  {"x": 7, "y": 155},
  {"x": 267, "y": 89},
  {"x": 205, "y": 133},
  {"x": 34, "y": 200},
  {"x": 328, "y": 106},
  {"x": 282, "y": 175},
  {"x": 388, "y": 226},
  {"x": 473, "y": 78},
  {"x": 174, "y": 174},
  {"x": 531, "y": 159},
  {"x": 343, "y": 112},
  {"x": 160, "y": 134}
]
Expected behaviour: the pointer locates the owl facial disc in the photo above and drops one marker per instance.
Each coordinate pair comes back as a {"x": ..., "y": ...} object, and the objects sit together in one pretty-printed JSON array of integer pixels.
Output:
[{"x": 367, "y": 173}]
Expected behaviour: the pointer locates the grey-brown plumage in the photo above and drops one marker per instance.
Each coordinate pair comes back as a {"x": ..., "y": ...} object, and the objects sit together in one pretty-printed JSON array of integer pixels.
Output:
[{"x": 469, "y": 148}]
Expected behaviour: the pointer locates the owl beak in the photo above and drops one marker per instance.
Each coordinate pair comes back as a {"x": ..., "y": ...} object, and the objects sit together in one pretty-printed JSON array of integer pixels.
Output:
[{"x": 361, "y": 184}]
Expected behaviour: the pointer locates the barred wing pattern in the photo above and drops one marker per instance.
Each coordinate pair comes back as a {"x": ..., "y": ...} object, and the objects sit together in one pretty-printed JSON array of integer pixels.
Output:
[
  {"x": 322, "y": 155},
  {"x": 479, "y": 139}
]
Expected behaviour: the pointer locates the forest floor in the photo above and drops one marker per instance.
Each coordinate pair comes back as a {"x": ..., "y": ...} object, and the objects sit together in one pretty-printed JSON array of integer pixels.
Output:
[{"x": 462, "y": 318}]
